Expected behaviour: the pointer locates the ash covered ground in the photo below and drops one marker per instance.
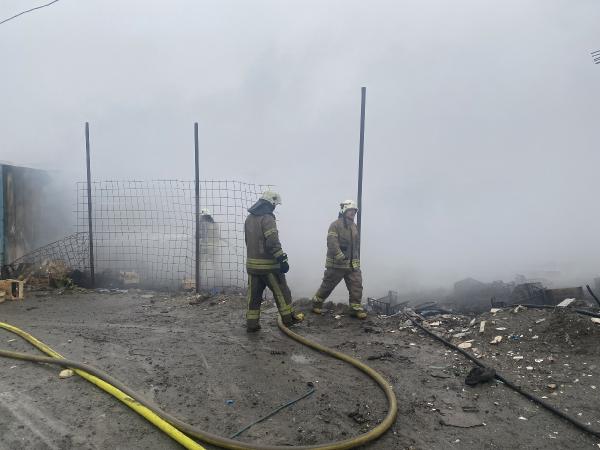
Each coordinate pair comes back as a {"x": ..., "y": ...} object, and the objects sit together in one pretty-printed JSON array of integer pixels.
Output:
[{"x": 195, "y": 359}]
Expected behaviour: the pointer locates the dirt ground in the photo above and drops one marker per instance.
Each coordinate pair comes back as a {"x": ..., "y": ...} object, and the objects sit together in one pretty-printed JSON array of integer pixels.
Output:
[{"x": 198, "y": 362}]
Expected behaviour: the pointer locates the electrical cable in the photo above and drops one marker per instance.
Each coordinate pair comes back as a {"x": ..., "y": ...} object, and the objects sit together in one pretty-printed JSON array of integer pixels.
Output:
[
  {"x": 272, "y": 413},
  {"x": 28, "y": 11}
]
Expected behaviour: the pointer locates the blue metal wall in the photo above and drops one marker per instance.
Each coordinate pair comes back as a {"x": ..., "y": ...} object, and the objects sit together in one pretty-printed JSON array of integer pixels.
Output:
[{"x": 2, "y": 262}]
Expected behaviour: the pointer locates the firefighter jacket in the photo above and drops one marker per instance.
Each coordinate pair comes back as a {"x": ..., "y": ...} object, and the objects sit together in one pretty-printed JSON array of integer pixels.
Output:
[
  {"x": 262, "y": 244},
  {"x": 343, "y": 245}
]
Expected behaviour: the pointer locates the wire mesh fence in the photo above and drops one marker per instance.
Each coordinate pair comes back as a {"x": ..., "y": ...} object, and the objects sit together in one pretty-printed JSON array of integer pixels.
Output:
[
  {"x": 144, "y": 231},
  {"x": 144, "y": 235},
  {"x": 65, "y": 255}
]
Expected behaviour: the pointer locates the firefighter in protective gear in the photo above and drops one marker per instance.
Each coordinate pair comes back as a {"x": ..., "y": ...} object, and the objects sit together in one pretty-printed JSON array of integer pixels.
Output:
[
  {"x": 211, "y": 250},
  {"x": 266, "y": 263},
  {"x": 343, "y": 261}
]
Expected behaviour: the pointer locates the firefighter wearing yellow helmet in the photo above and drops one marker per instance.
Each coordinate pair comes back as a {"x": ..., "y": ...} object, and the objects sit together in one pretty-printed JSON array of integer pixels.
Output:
[
  {"x": 342, "y": 261},
  {"x": 266, "y": 263}
]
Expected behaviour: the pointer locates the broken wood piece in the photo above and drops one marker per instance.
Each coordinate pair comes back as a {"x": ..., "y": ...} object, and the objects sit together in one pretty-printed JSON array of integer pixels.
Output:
[{"x": 566, "y": 302}]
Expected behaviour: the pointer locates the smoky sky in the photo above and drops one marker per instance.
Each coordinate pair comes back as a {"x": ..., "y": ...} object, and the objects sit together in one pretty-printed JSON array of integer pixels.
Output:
[{"x": 481, "y": 147}]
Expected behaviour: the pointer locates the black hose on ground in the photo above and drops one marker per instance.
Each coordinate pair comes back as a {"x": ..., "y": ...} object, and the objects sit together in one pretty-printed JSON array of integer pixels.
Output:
[
  {"x": 592, "y": 293},
  {"x": 508, "y": 383}
]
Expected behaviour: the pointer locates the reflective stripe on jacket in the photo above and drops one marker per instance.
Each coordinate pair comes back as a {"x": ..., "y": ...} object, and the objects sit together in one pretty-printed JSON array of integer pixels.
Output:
[
  {"x": 262, "y": 244},
  {"x": 343, "y": 245}
]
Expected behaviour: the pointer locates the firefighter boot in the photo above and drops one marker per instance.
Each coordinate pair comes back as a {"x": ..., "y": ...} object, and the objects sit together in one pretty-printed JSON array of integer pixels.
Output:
[
  {"x": 357, "y": 311},
  {"x": 252, "y": 325},
  {"x": 291, "y": 319},
  {"x": 317, "y": 305}
]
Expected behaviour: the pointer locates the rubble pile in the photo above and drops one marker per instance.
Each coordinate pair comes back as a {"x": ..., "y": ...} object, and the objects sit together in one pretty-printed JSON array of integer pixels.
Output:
[{"x": 551, "y": 352}]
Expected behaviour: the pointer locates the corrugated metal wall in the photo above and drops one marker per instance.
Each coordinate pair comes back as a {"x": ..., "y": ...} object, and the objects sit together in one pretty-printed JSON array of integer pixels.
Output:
[{"x": 22, "y": 190}]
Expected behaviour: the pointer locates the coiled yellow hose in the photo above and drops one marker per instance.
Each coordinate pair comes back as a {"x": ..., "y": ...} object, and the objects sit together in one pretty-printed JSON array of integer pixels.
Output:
[{"x": 179, "y": 430}]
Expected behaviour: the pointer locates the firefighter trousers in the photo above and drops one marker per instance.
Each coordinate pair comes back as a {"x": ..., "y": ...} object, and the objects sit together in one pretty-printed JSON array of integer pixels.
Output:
[
  {"x": 283, "y": 296},
  {"x": 332, "y": 277}
]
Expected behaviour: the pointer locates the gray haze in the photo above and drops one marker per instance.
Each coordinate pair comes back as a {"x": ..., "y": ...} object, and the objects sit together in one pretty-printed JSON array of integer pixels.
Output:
[{"x": 481, "y": 136}]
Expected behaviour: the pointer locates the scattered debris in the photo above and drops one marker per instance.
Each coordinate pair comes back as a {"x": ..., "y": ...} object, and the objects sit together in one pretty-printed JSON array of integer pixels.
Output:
[
  {"x": 596, "y": 319},
  {"x": 566, "y": 302},
  {"x": 452, "y": 418},
  {"x": 466, "y": 344},
  {"x": 439, "y": 374},
  {"x": 540, "y": 320},
  {"x": 496, "y": 340},
  {"x": 360, "y": 414},
  {"x": 482, "y": 326},
  {"x": 460, "y": 335},
  {"x": 480, "y": 375},
  {"x": 386, "y": 356},
  {"x": 66, "y": 373}
]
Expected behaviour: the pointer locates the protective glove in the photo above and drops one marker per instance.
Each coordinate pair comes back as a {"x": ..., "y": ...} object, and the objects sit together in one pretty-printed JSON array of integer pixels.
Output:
[{"x": 284, "y": 266}]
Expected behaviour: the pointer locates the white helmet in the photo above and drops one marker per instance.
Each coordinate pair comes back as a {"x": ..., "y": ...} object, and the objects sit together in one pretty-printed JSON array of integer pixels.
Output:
[
  {"x": 205, "y": 212},
  {"x": 272, "y": 197},
  {"x": 346, "y": 205}
]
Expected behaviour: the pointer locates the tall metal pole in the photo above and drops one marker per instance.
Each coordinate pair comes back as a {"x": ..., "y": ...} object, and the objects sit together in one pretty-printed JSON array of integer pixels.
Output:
[
  {"x": 89, "y": 198},
  {"x": 360, "y": 156},
  {"x": 197, "y": 212}
]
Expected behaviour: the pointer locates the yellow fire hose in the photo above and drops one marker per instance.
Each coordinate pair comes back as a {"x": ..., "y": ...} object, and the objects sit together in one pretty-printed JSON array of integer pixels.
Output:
[{"x": 179, "y": 430}]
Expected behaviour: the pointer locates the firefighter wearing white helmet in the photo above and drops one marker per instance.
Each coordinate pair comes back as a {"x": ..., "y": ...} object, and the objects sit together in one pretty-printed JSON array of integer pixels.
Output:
[
  {"x": 272, "y": 197},
  {"x": 342, "y": 261},
  {"x": 210, "y": 244},
  {"x": 266, "y": 263}
]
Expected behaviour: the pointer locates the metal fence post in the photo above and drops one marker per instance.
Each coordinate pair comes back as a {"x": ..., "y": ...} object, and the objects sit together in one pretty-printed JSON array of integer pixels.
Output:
[
  {"x": 360, "y": 157},
  {"x": 197, "y": 212},
  {"x": 89, "y": 201}
]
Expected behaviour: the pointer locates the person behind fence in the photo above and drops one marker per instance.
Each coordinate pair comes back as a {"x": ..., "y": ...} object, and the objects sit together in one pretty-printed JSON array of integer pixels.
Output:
[
  {"x": 342, "y": 261},
  {"x": 210, "y": 243},
  {"x": 266, "y": 263}
]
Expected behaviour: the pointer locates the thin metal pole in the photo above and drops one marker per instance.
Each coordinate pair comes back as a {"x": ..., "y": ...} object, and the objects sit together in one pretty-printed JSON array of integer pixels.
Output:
[
  {"x": 197, "y": 182},
  {"x": 89, "y": 196},
  {"x": 360, "y": 157}
]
